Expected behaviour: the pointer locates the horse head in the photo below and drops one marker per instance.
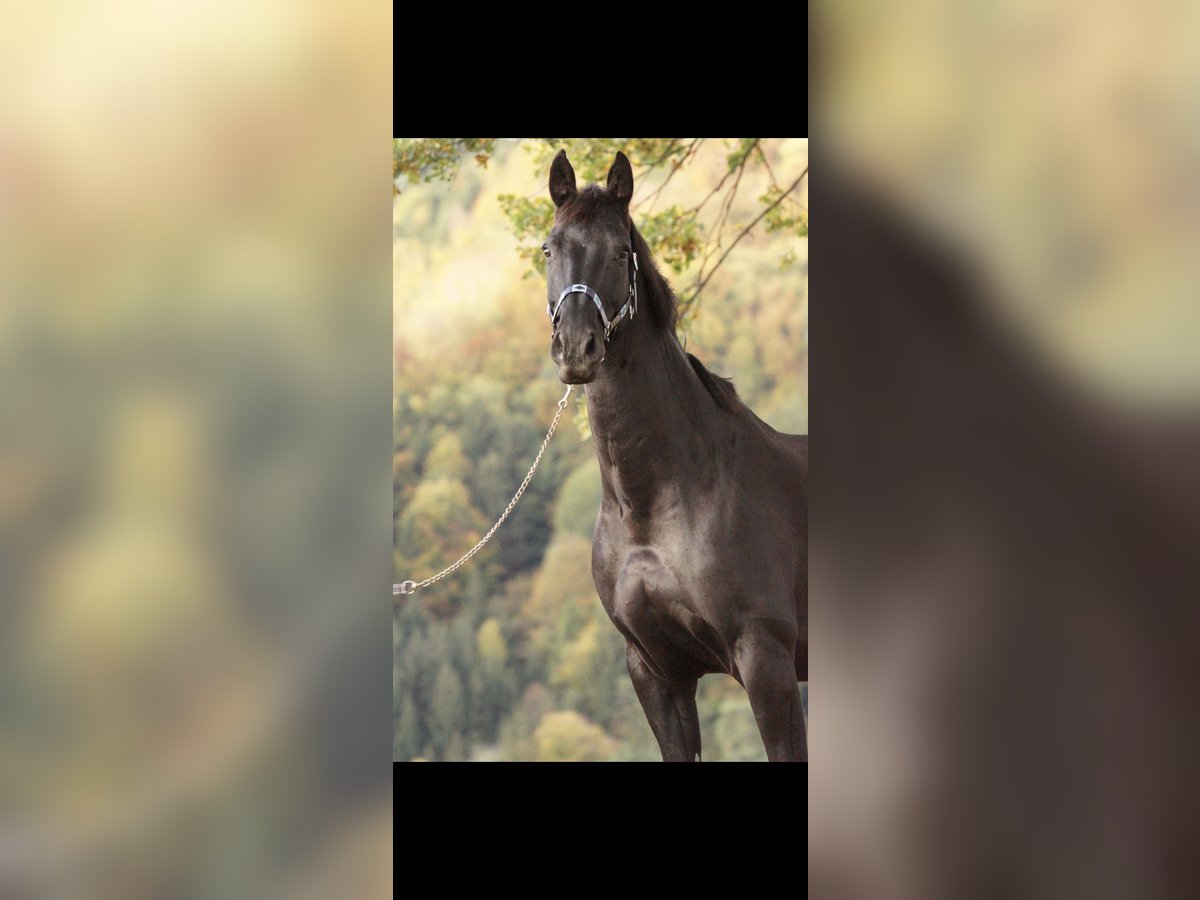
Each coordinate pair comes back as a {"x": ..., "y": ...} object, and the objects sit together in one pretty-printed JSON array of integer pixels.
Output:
[{"x": 591, "y": 267}]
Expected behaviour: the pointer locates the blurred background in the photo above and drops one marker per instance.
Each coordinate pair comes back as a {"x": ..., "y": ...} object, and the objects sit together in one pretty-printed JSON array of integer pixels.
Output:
[
  {"x": 193, "y": 319},
  {"x": 1053, "y": 145},
  {"x": 194, "y": 386},
  {"x": 513, "y": 657},
  {"x": 1003, "y": 565}
]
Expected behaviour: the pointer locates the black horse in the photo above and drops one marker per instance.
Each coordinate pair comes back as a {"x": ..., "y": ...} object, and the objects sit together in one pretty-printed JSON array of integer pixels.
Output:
[{"x": 700, "y": 550}]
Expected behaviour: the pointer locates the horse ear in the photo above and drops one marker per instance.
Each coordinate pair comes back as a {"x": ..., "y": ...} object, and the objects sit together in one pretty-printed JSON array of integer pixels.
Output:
[
  {"x": 620, "y": 179},
  {"x": 562, "y": 179}
]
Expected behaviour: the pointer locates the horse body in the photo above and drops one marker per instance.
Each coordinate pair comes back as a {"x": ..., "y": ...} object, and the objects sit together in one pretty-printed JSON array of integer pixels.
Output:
[{"x": 699, "y": 555}]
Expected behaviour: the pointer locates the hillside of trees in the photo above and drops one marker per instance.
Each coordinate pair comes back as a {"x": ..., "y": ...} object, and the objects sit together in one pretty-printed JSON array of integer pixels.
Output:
[{"x": 513, "y": 657}]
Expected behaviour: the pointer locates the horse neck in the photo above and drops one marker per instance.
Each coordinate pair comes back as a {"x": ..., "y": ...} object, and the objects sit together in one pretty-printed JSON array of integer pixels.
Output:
[{"x": 647, "y": 414}]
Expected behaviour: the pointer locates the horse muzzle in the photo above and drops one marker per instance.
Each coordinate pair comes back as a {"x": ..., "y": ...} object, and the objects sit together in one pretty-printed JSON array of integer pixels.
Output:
[{"x": 578, "y": 351}]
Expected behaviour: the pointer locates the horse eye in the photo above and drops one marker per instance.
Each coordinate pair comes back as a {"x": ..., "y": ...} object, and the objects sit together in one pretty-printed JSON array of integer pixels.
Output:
[
  {"x": 546, "y": 250},
  {"x": 623, "y": 255}
]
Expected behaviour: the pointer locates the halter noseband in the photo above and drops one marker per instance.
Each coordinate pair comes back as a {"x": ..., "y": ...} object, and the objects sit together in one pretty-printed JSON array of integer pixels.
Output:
[{"x": 630, "y": 307}]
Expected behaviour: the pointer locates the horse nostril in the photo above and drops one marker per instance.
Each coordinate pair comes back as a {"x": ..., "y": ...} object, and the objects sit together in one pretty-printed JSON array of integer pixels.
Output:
[{"x": 590, "y": 347}]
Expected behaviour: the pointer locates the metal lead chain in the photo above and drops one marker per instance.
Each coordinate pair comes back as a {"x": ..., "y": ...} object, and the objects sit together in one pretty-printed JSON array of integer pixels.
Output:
[{"x": 411, "y": 587}]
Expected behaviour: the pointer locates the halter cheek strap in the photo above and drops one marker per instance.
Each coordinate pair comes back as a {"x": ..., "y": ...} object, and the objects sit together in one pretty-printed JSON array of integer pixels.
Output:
[{"x": 629, "y": 309}]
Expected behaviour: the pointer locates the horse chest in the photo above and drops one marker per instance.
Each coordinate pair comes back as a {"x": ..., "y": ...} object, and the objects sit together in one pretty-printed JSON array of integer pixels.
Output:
[{"x": 652, "y": 601}]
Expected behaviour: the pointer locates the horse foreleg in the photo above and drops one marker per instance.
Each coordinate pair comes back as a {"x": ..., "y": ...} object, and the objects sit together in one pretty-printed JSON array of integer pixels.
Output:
[
  {"x": 767, "y": 670},
  {"x": 670, "y": 708}
]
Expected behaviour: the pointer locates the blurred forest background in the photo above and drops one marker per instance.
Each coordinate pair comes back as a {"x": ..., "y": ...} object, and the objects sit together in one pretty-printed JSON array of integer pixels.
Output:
[{"x": 513, "y": 657}]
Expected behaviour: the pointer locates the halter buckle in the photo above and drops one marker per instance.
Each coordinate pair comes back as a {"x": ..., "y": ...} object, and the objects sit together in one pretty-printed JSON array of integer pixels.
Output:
[{"x": 633, "y": 286}]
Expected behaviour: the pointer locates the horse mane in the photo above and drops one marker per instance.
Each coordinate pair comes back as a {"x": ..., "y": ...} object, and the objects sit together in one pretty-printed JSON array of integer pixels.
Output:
[
  {"x": 664, "y": 310},
  {"x": 657, "y": 297},
  {"x": 721, "y": 389}
]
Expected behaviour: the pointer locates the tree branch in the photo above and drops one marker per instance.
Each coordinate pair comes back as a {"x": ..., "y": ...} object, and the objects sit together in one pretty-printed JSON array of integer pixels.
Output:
[
  {"x": 699, "y": 206},
  {"x": 718, "y": 229},
  {"x": 670, "y": 149},
  {"x": 727, "y": 205},
  {"x": 675, "y": 167},
  {"x": 767, "y": 165},
  {"x": 745, "y": 231}
]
